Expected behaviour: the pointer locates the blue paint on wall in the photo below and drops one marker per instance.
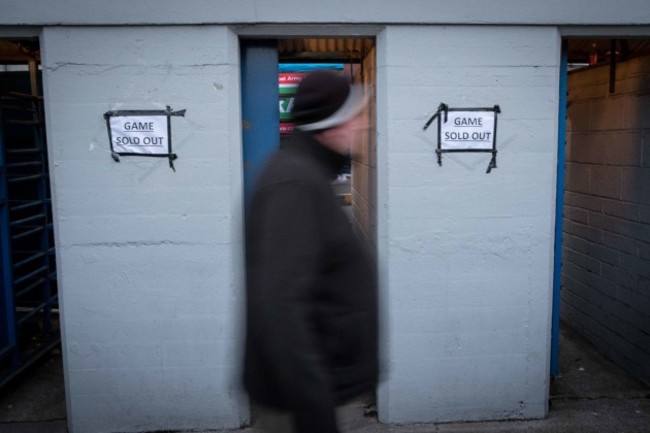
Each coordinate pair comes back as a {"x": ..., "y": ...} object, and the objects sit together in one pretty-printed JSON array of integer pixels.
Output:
[
  {"x": 559, "y": 207},
  {"x": 260, "y": 108}
]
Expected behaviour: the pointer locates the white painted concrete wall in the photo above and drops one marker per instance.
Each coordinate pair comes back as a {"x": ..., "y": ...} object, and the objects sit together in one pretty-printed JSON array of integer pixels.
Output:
[
  {"x": 466, "y": 256},
  {"x": 149, "y": 259}
]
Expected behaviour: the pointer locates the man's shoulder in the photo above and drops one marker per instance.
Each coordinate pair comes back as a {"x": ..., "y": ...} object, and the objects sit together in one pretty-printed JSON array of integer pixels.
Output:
[{"x": 290, "y": 166}]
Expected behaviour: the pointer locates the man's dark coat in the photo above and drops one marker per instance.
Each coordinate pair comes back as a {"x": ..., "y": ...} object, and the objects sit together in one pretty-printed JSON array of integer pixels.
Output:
[{"x": 311, "y": 332}]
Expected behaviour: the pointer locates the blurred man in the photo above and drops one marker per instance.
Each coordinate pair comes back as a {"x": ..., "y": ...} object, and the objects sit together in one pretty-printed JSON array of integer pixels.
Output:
[{"x": 311, "y": 337}]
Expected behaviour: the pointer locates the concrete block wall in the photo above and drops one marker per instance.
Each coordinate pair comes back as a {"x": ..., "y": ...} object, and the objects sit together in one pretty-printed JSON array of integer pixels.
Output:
[
  {"x": 149, "y": 259},
  {"x": 465, "y": 256},
  {"x": 606, "y": 241}
]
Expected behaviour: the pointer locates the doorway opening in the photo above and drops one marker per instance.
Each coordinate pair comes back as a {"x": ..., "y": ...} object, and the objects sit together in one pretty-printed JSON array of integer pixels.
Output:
[
  {"x": 271, "y": 71},
  {"x": 602, "y": 282},
  {"x": 28, "y": 290},
  {"x": 283, "y": 63}
]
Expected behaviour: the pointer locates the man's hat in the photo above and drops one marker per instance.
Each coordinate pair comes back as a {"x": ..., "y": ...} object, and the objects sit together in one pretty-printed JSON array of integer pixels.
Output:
[{"x": 325, "y": 100}]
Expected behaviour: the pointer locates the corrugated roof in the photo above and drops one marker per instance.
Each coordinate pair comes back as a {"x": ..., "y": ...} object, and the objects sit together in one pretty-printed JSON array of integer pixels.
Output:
[{"x": 325, "y": 48}]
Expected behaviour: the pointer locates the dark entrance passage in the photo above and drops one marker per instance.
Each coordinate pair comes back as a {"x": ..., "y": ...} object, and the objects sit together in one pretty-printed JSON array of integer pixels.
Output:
[
  {"x": 603, "y": 277},
  {"x": 28, "y": 291},
  {"x": 266, "y": 104}
]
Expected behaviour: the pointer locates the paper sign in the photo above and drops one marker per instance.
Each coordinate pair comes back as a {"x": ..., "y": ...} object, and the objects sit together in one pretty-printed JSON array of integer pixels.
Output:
[
  {"x": 467, "y": 130},
  {"x": 139, "y": 134}
]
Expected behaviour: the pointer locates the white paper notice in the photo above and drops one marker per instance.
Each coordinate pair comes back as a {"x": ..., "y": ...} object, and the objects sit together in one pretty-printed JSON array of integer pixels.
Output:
[
  {"x": 467, "y": 130},
  {"x": 140, "y": 134}
]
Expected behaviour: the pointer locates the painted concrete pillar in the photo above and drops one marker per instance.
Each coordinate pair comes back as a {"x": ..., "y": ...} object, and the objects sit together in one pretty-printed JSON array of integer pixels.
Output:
[
  {"x": 466, "y": 256},
  {"x": 149, "y": 259}
]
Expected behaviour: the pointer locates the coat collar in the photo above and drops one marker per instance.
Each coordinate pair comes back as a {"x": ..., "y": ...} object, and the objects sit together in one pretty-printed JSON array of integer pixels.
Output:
[{"x": 305, "y": 143}]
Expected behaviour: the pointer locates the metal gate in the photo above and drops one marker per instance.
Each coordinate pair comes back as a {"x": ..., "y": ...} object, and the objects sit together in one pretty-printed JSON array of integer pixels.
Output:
[{"x": 28, "y": 294}]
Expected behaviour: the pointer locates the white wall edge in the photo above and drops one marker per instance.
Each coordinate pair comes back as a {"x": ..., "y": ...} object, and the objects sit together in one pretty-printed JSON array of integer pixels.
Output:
[
  {"x": 55, "y": 223},
  {"x": 237, "y": 206},
  {"x": 553, "y": 207},
  {"x": 303, "y": 30},
  {"x": 604, "y": 31},
  {"x": 382, "y": 218}
]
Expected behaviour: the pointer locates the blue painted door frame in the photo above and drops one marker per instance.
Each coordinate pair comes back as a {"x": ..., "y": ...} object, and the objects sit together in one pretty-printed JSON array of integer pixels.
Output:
[
  {"x": 260, "y": 106},
  {"x": 7, "y": 318},
  {"x": 559, "y": 208}
]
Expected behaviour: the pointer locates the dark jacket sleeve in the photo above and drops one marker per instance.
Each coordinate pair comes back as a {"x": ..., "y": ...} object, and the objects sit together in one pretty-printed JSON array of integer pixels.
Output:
[{"x": 283, "y": 274}]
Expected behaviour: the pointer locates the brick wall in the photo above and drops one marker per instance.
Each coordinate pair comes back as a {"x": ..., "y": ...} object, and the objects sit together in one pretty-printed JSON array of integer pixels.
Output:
[
  {"x": 364, "y": 190},
  {"x": 606, "y": 241}
]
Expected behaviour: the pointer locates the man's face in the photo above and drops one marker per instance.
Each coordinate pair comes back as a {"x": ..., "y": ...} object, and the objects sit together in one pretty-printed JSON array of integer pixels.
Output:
[{"x": 341, "y": 138}]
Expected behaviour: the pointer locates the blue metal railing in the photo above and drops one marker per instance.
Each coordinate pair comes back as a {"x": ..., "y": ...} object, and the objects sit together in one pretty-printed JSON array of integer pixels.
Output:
[
  {"x": 29, "y": 290},
  {"x": 8, "y": 353}
]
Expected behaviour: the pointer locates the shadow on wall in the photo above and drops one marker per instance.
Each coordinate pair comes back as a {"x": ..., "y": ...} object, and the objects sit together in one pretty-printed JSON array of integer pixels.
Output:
[{"x": 606, "y": 239}]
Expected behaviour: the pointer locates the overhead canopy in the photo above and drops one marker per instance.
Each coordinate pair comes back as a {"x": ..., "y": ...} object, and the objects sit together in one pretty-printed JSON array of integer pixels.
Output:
[
  {"x": 18, "y": 52},
  {"x": 354, "y": 49},
  {"x": 580, "y": 49},
  {"x": 325, "y": 49},
  {"x": 328, "y": 49}
]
